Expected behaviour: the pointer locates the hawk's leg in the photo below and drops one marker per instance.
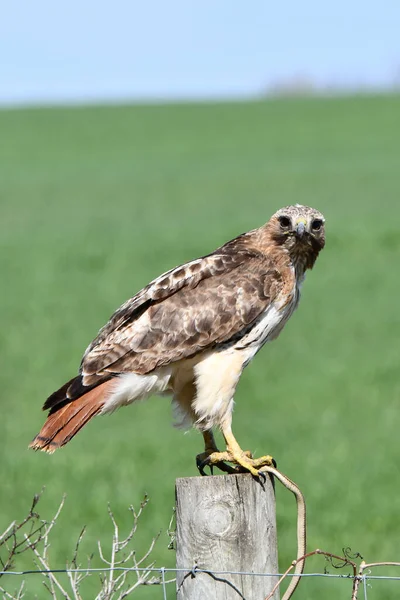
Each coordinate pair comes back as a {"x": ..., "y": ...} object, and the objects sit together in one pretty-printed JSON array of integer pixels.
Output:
[
  {"x": 234, "y": 454},
  {"x": 210, "y": 448}
]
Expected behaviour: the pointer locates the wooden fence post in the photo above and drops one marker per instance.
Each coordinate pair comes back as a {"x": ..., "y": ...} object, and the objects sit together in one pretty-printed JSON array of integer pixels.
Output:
[{"x": 225, "y": 523}]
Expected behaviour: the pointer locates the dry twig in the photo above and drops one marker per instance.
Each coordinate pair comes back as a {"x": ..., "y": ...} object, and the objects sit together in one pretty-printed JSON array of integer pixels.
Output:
[
  {"x": 115, "y": 581},
  {"x": 13, "y": 541}
]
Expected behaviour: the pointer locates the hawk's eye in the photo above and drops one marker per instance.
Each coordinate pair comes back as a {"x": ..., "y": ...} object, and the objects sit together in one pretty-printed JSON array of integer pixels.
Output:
[
  {"x": 284, "y": 222},
  {"x": 316, "y": 225}
]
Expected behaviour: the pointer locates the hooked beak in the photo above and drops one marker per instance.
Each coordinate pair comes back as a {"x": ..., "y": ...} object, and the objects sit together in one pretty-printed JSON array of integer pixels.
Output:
[{"x": 300, "y": 227}]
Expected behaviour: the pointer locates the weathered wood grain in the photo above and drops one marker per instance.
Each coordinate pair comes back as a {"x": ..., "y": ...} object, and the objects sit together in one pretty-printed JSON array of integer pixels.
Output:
[{"x": 225, "y": 523}]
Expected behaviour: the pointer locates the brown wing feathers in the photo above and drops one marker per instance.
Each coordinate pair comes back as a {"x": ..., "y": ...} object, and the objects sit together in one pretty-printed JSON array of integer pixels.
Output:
[
  {"x": 186, "y": 322},
  {"x": 65, "y": 422}
]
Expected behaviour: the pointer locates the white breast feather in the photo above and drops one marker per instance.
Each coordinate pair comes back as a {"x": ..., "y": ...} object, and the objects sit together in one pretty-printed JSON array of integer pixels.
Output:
[{"x": 269, "y": 325}]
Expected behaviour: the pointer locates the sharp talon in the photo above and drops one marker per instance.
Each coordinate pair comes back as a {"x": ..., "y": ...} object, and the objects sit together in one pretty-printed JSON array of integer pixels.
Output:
[
  {"x": 200, "y": 465},
  {"x": 274, "y": 464},
  {"x": 212, "y": 469}
]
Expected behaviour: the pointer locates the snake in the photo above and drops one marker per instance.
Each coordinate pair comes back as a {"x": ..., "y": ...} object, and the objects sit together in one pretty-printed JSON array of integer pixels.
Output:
[{"x": 301, "y": 527}]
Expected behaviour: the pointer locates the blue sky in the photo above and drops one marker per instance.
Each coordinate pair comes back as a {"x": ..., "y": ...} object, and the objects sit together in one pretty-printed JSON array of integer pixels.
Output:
[{"x": 92, "y": 50}]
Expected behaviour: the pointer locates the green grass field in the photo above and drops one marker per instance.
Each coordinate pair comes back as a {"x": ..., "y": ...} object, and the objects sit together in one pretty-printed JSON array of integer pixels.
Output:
[{"x": 97, "y": 201}]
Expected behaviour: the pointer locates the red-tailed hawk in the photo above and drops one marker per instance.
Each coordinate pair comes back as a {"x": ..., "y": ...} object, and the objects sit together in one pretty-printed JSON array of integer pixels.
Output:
[{"x": 191, "y": 332}]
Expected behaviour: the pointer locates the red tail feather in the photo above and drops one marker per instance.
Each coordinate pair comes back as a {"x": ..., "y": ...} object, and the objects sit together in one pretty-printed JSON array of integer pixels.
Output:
[{"x": 61, "y": 426}]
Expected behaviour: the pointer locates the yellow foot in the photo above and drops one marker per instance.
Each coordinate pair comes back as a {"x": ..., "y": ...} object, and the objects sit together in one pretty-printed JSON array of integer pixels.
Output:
[
  {"x": 202, "y": 461},
  {"x": 243, "y": 461}
]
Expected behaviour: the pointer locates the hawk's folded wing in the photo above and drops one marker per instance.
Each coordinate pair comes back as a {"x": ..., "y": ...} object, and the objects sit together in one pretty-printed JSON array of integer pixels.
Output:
[{"x": 196, "y": 306}]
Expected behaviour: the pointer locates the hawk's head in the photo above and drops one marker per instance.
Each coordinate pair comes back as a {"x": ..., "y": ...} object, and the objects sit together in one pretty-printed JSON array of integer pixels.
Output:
[{"x": 301, "y": 230}]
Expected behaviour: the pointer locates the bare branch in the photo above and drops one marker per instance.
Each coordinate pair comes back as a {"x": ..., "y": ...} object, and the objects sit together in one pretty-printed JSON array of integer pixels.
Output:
[
  {"x": 12, "y": 540},
  {"x": 379, "y": 564},
  {"x": 48, "y": 572},
  {"x": 171, "y": 530},
  {"x": 100, "y": 549},
  {"x": 116, "y": 580}
]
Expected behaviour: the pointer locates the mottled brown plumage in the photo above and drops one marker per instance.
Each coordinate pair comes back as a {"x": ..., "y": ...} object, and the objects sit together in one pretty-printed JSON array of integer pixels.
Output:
[{"x": 226, "y": 304}]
